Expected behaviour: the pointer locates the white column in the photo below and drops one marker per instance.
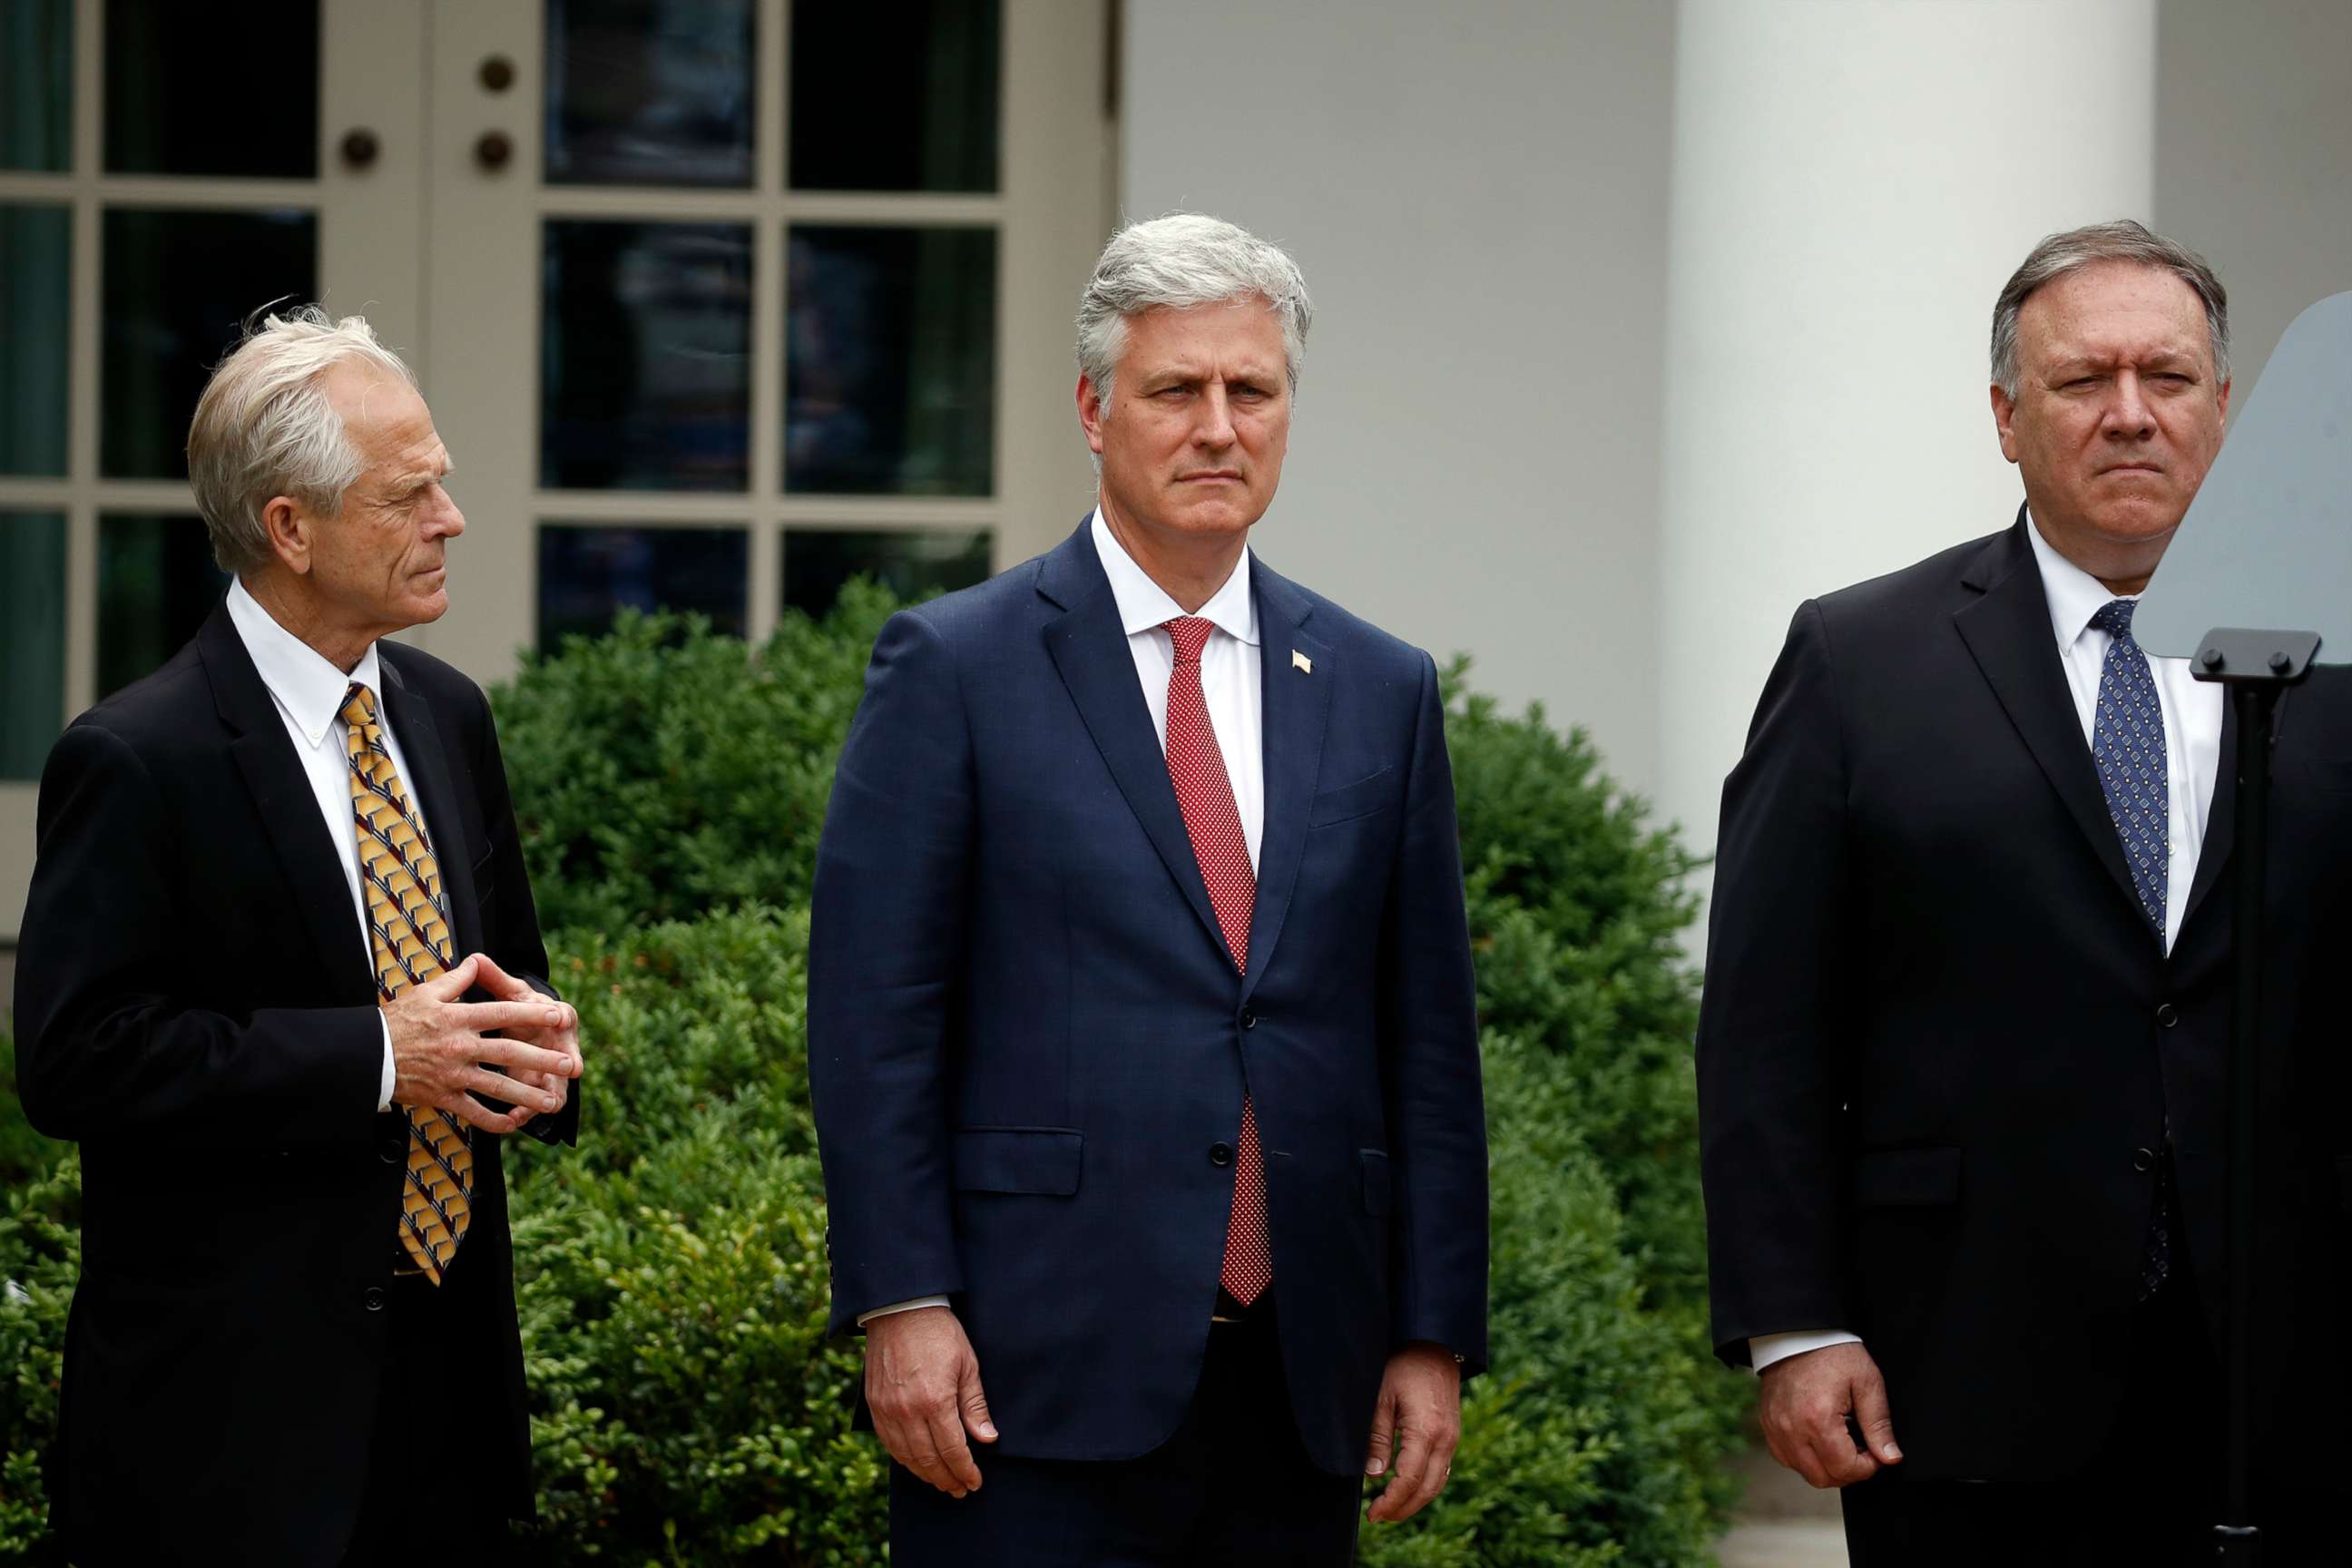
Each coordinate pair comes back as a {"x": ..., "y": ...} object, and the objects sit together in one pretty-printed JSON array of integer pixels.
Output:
[{"x": 1853, "y": 181}]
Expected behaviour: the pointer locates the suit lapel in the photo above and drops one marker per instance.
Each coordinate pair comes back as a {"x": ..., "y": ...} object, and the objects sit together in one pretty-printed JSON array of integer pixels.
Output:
[
  {"x": 2007, "y": 633},
  {"x": 445, "y": 825},
  {"x": 1295, "y": 705},
  {"x": 310, "y": 861},
  {"x": 1088, "y": 647}
]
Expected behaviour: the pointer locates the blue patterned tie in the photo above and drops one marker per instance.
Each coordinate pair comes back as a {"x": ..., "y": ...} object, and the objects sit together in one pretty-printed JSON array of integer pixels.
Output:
[{"x": 2127, "y": 743}]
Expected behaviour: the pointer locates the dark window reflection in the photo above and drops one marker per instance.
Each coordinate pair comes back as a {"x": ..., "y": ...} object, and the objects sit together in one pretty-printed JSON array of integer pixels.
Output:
[
  {"x": 650, "y": 92},
  {"x": 32, "y": 639},
  {"x": 213, "y": 89},
  {"x": 35, "y": 285},
  {"x": 587, "y": 574},
  {"x": 818, "y": 562},
  {"x": 890, "y": 360},
  {"x": 934, "y": 63},
  {"x": 645, "y": 375},
  {"x": 156, "y": 584},
  {"x": 178, "y": 286},
  {"x": 36, "y": 85}
]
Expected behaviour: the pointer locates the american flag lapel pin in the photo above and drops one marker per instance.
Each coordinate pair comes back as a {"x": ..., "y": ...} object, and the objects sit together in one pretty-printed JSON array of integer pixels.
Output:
[{"x": 1299, "y": 661}]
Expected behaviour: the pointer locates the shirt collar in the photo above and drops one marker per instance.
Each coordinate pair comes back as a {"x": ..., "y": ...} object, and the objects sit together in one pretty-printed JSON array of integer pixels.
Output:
[
  {"x": 307, "y": 688},
  {"x": 1144, "y": 603},
  {"x": 2074, "y": 595}
]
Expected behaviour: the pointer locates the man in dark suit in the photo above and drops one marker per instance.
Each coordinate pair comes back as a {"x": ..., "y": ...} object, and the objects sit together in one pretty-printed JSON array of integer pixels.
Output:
[
  {"x": 1964, "y": 1042},
  {"x": 1140, "y": 1016},
  {"x": 270, "y": 876}
]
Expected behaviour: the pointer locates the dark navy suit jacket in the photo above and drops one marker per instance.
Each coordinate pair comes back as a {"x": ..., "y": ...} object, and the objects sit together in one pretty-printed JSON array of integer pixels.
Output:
[{"x": 1029, "y": 1048}]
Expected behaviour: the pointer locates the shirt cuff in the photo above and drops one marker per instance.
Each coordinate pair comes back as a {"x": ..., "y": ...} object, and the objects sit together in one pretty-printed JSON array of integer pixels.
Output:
[
  {"x": 865, "y": 1318},
  {"x": 1766, "y": 1349},
  {"x": 385, "y": 1083}
]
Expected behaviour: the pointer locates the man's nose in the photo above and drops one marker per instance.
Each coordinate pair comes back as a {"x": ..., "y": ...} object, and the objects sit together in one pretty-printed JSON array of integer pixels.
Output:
[
  {"x": 2127, "y": 410},
  {"x": 1216, "y": 427},
  {"x": 446, "y": 521}
]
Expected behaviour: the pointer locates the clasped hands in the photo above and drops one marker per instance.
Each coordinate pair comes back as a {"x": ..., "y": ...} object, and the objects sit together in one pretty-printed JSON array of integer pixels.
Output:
[
  {"x": 442, "y": 1049},
  {"x": 923, "y": 1382}
]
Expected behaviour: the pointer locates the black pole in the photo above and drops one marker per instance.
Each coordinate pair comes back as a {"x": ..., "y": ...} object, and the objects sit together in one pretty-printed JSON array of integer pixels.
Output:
[
  {"x": 2239, "y": 1543},
  {"x": 2256, "y": 667}
]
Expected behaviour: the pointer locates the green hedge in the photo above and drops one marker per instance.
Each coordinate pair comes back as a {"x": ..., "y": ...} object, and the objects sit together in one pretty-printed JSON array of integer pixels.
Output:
[{"x": 687, "y": 1406}]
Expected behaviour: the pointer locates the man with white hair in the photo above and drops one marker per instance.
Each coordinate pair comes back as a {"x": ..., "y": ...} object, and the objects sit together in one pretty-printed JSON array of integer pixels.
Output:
[
  {"x": 1140, "y": 1015},
  {"x": 281, "y": 980}
]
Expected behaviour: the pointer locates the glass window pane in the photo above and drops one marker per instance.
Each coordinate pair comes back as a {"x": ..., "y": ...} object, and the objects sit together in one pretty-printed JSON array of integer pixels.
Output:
[
  {"x": 35, "y": 288},
  {"x": 36, "y": 85},
  {"x": 32, "y": 639},
  {"x": 588, "y": 572},
  {"x": 644, "y": 373},
  {"x": 649, "y": 92},
  {"x": 156, "y": 584},
  {"x": 818, "y": 562},
  {"x": 213, "y": 89},
  {"x": 890, "y": 360},
  {"x": 178, "y": 286},
  {"x": 933, "y": 62}
]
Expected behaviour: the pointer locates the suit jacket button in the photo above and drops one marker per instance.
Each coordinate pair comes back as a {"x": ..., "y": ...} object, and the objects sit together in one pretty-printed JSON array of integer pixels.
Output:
[
  {"x": 1220, "y": 1153},
  {"x": 2143, "y": 1159},
  {"x": 372, "y": 1298},
  {"x": 394, "y": 1148},
  {"x": 2166, "y": 1015},
  {"x": 1249, "y": 1019}
]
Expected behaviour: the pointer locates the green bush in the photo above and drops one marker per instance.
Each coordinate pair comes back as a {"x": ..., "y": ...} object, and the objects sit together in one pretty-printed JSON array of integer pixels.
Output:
[
  {"x": 40, "y": 1257},
  {"x": 661, "y": 770}
]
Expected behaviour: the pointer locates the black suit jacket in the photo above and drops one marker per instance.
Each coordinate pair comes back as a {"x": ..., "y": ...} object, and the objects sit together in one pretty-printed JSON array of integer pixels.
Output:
[
  {"x": 194, "y": 1006},
  {"x": 1029, "y": 1046},
  {"x": 1939, "y": 1037}
]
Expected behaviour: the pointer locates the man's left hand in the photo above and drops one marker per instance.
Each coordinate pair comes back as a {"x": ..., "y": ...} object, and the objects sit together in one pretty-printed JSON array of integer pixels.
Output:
[
  {"x": 562, "y": 1036},
  {"x": 1419, "y": 1419}
]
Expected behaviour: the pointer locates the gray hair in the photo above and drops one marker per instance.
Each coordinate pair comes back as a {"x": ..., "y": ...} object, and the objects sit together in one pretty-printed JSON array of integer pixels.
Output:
[
  {"x": 1177, "y": 262},
  {"x": 2122, "y": 240},
  {"x": 265, "y": 427}
]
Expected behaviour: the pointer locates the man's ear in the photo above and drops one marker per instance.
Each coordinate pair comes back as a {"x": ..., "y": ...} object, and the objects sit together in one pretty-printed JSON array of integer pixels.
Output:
[
  {"x": 290, "y": 530},
  {"x": 1091, "y": 412},
  {"x": 2004, "y": 412}
]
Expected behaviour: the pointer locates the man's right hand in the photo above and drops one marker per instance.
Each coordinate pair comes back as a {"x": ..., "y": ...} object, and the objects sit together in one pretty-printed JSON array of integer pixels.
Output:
[
  {"x": 923, "y": 1382},
  {"x": 440, "y": 1051},
  {"x": 1806, "y": 1400}
]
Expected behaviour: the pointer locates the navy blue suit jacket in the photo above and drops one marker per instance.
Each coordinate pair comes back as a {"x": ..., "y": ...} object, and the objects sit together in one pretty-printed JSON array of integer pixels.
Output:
[{"x": 1029, "y": 1048}]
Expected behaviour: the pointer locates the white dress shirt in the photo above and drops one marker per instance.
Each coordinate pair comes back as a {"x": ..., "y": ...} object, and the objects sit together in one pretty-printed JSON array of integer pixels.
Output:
[
  {"x": 2192, "y": 747},
  {"x": 309, "y": 692},
  {"x": 1229, "y": 680}
]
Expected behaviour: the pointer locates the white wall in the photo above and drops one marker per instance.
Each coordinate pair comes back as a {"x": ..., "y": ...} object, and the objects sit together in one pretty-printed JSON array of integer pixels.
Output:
[
  {"x": 2254, "y": 156},
  {"x": 1478, "y": 194}
]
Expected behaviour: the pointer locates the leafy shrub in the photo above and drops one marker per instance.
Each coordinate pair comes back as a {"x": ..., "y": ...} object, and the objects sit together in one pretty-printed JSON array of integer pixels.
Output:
[
  {"x": 661, "y": 770},
  {"x": 40, "y": 1257},
  {"x": 673, "y": 1291}
]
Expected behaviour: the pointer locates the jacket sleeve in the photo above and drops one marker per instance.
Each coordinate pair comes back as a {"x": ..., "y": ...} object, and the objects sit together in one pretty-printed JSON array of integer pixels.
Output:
[
  {"x": 1771, "y": 1065},
  {"x": 885, "y": 953},
  {"x": 1436, "y": 1115},
  {"x": 517, "y": 946},
  {"x": 103, "y": 1045}
]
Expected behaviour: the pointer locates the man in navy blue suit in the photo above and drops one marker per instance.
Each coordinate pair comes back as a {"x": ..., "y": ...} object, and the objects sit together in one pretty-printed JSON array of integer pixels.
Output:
[{"x": 1140, "y": 1016}]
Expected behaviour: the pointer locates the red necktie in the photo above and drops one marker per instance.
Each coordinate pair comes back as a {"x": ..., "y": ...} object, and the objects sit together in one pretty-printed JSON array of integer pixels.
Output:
[{"x": 1205, "y": 794}]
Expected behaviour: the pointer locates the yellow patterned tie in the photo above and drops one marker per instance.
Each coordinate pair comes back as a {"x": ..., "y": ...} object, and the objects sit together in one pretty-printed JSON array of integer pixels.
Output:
[{"x": 408, "y": 931}]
